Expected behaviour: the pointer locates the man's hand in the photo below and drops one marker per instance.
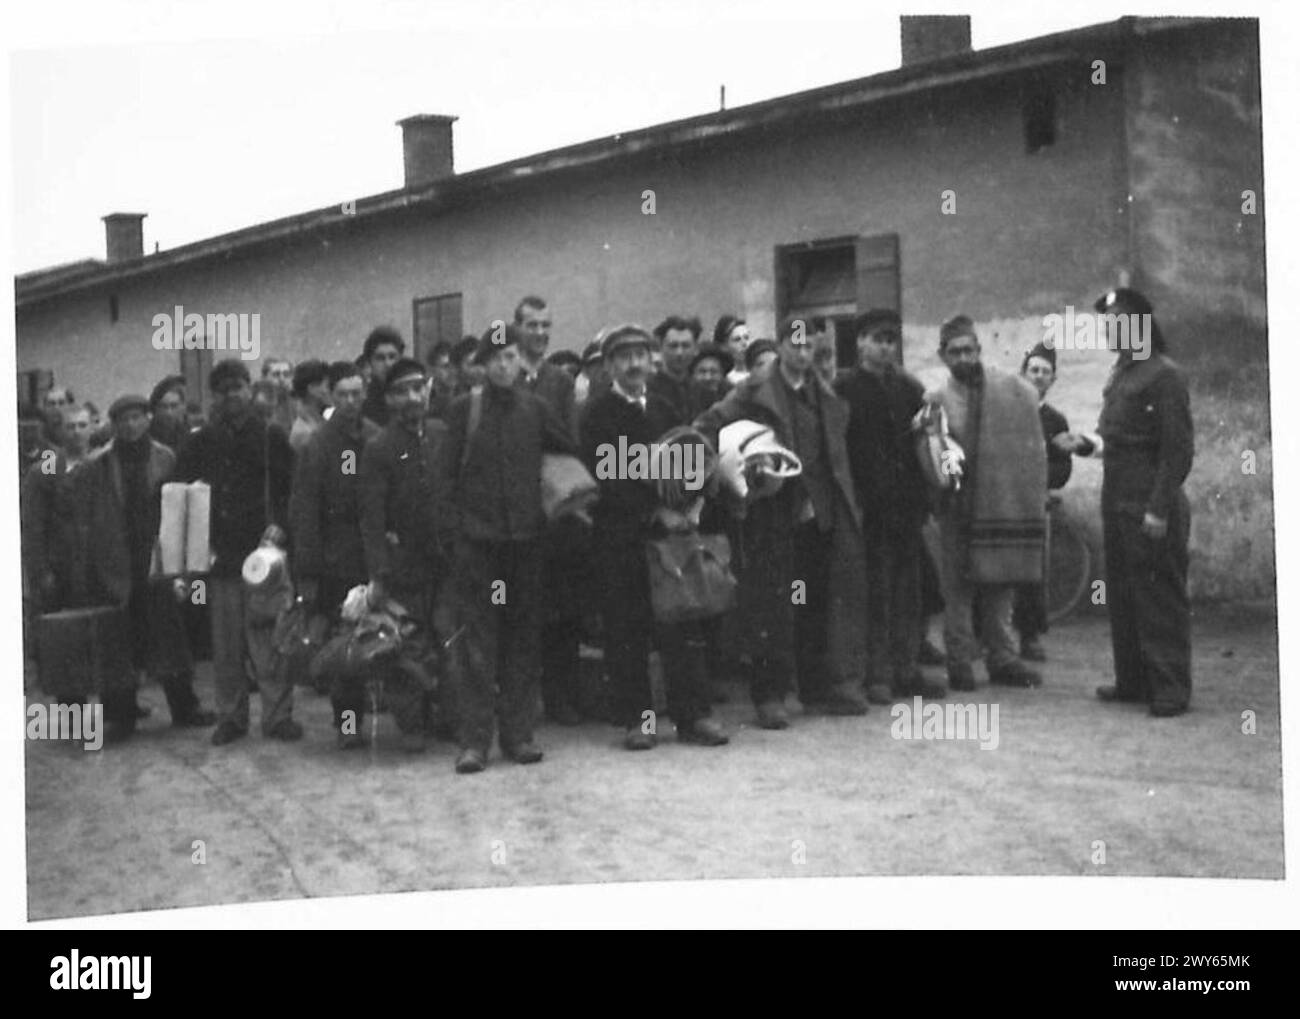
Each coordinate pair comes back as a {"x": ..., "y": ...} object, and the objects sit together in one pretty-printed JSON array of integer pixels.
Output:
[
  {"x": 1069, "y": 442},
  {"x": 274, "y": 535},
  {"x": 375, "y": 594},
  {"x": 1154, "y": 527}
]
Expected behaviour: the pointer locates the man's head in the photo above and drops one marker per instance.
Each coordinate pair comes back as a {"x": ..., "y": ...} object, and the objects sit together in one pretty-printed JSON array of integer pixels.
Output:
[
  {"x": 1039, "y": 367},
  {"x": 1134, "y": 308},
  {"x": 710, "y": 366},
  {"x": 566, "y": 360},
  {"x": 130, "y": 418},
  {"x": 677, "y": 338},
  {"x": 498, "y": 354},
  {"x": 441, "y": 371},
  {"x": 382, "y": 348},
  {"x": 760, "y": 355},
  {"x": 794, "y": 345},
  {"x": 167, "y": 400},
  {"x": 959, "y": 348},
  {"x": 231, "y": 389},
  {"x": 879, "y": 334},
  {"x": 266, "y": 398},
  {"x": 534, "y": 318},
  {"x": 311, "y": 383},
  {"x": 278, "y": 371},
  {"x": 76, "y": 430},
  {"x": 627, "y": 357},
  {"x": 406, "y": 391},
  {"x": 732, "y": 333},
  {"x": 347, "y": 391},
  {"x": 58, "y": 399}
]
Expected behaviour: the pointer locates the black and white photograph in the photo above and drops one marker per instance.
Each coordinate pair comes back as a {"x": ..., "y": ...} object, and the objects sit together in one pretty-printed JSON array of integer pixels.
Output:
[{"x": 645, "y": 450}]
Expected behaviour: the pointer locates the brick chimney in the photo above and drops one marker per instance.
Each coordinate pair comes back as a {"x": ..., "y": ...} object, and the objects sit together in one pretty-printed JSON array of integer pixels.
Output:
[
  {"x": 124, "y": 232},
  {"x": 931, "y": 36},
  {"x": 426, "y": 148}
]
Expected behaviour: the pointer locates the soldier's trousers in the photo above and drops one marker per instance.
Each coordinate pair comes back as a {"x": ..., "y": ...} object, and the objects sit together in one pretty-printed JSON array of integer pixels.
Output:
[
  {"x": 496, "y": 664},
  {"x": 1146, "y": 593}
]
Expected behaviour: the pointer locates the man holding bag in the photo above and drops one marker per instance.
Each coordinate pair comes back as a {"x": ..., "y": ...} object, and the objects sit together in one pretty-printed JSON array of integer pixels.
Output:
[{"x": 627, "y": 516}]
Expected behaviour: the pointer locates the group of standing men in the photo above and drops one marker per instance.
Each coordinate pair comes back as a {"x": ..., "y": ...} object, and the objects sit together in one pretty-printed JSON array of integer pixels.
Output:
[{"x": 424, "y": 486}]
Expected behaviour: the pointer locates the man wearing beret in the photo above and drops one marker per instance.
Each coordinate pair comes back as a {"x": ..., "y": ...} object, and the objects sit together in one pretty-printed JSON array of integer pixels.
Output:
[
  {"x": 247, "y": 462},
  {"x": 489, "y": 472},
  {"x": 122, "y": 505},
  {"x": 803, "y": 544},
  {"x": 883, "y": 399},
  {"x": 401, "y": 532},
  {"x": 626, "y": 517},
  {"x": 1145, "y": 437}
]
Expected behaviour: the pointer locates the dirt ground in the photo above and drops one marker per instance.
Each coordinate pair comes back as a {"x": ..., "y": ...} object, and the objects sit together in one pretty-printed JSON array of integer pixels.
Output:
[{"x": 1191, "y": 796}]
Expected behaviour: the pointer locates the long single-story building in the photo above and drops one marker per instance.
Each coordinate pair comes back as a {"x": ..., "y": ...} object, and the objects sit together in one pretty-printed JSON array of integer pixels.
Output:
[{"x": 1008, "y": 183}]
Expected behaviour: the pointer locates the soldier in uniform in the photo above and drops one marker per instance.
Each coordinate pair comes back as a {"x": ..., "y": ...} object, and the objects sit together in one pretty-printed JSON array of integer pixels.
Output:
[{"x": 1145, "y": 437}]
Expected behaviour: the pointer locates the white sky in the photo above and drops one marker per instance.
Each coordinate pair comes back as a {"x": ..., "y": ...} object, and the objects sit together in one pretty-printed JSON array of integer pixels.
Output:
[{"x": 209, "y": 126}]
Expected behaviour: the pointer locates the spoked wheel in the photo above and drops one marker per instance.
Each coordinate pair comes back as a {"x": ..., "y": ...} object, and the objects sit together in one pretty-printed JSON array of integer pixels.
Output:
[{"x": 1069, "y": 567}]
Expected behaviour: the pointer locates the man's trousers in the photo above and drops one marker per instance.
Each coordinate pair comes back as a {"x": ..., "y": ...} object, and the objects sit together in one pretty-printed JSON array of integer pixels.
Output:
[{"x": 242, "y": 647}]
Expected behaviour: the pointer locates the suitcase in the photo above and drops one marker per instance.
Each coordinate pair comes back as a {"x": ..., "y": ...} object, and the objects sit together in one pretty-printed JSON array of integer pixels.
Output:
[{"x": 83, "y": 652}]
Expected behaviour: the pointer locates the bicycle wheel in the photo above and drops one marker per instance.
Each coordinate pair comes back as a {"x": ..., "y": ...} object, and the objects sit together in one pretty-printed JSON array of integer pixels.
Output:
[{"x": 1069, "y": 568}]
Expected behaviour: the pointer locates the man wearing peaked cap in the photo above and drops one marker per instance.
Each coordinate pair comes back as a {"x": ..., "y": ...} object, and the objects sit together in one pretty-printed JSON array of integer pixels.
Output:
[{"x": 1145, "y": 438}]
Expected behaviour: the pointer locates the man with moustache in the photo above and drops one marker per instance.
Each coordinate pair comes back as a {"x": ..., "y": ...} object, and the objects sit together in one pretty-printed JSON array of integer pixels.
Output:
[
  {"x": 325, "y": 521},
  {"x": 992, "y": 528},
  {"x": 246, "y": 461},
  {"x": 489, "y": 471},
  {"x": 806, "y": 538},
  {"x": 400, "y": 530},
  {"x": 883, "y": 399},
  {"x": 626, "y": 516}
]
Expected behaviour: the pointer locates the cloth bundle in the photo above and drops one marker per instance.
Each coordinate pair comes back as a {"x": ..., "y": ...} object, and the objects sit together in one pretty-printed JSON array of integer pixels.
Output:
[{"x": 183, "y": 546}]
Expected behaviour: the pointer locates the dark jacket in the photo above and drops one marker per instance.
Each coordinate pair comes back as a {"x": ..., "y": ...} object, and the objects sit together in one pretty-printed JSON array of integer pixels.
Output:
[
  {"x": 375, "y": 408},
  {"x": 113, "y": 563},
  {"x": 494, "y": 492},
  {"x": 52, "y": 515},
  {"x": 1146, "y": 428},
  {"x": 882, "y": 449},
  {"x": 765, "y": 399},
  {"x": 240, "y": 463},
  {"x": 677, "y": 393},
  {"x": 626, "y": 505},
  {"x": 1060, "y": 462},
  {"x": 398, "y": 498},
  {"x": 554, "y": 385},
  {"x": 325, "y": 507}
]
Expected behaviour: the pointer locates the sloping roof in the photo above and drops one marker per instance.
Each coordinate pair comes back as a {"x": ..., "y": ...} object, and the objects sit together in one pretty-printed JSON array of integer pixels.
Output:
[{"x": 957, "y": 69}]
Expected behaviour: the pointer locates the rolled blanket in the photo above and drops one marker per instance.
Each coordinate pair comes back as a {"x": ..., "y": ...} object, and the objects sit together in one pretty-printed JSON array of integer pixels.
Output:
[{"x": 1007, "y": 524}]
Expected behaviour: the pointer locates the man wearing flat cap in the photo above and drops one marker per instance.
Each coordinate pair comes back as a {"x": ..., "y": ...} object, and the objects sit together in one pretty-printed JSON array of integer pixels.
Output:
[
  {"x": 883, "y": 399},
  {"x": 1144, "y": 436},
  {"x": 628, "y": 515},
  {"x": 400, "y": 528},
  {"x": 122, "y": 503},
  {"x": 247, "y": 462}
]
